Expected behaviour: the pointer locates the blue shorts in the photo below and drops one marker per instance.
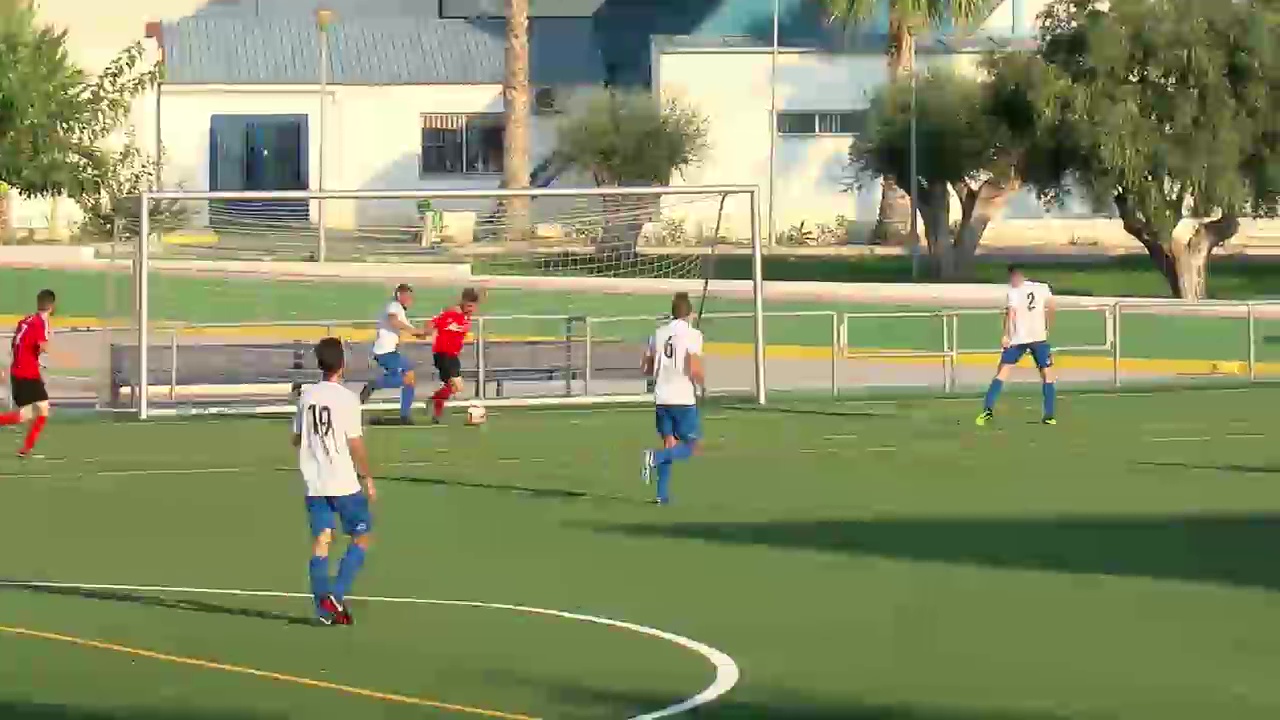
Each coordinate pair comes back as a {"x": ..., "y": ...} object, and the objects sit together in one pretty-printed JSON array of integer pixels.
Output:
[
  {"x": 393, "y": 364},
  {"x": 679, "y": 421},
  {"x": 1040, "y": 352},
  {"x": 353, "y": 510}
]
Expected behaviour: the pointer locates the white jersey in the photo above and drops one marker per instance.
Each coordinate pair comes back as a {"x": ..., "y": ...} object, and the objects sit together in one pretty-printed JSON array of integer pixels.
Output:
[
  {"x": 328, "y": 416},
  {"x": 1027, "y": 304},
  {"x": 388, "y": 339},
  {"x": 671, "y": 347}
]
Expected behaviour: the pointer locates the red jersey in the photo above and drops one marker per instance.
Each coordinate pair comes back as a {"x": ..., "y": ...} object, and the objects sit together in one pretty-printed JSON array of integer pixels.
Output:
[
  {"x": 452, "y": 327},
  {"x": 31, "y": 332}
]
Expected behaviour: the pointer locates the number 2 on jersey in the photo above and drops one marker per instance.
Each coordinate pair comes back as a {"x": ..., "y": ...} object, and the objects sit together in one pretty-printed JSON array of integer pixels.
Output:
[{"x": 1031, "y": 301}]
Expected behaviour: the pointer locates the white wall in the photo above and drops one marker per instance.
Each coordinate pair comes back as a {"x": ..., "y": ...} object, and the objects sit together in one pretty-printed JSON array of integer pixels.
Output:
[{"x": 372, "y": 137}]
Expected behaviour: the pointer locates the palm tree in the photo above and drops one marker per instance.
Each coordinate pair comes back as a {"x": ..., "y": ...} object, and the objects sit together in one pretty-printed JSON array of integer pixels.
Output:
[
  {"x": 906, "y": 19},
  {"x": 516, "y": 103}
]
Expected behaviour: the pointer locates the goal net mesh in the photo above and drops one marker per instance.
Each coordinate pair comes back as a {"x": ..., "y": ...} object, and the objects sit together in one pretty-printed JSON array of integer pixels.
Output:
[{"x": 574, "y": 284}]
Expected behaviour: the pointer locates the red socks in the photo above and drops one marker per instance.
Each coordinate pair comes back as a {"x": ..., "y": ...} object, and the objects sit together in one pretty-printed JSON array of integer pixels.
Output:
[
  {"x": 34, "y": 433},
  {"x": 438, "y": 398},
  {"x": 10, "y": 418}
]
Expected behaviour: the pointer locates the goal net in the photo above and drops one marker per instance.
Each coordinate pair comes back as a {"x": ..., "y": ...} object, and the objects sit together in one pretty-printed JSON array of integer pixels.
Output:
[{"x": 232, "y": 290}]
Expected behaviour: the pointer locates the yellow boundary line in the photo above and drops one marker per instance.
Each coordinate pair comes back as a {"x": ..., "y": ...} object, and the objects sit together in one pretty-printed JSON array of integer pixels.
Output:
[{"x": 208, "y": 665}]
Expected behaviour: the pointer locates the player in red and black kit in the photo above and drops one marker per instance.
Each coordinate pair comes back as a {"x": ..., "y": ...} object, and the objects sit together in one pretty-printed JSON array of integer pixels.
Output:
[
  {"x": 451, "y": 328},
  {"x": 30, "y": 341}
]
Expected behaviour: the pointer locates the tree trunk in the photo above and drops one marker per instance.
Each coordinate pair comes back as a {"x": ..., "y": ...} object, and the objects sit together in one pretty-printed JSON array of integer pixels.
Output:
[
  {"x": 893, "y": 224},
  {"x": 516, "y": 103},
  {"x": 978, "y": 207},
  {"x": 4, "y": 214},
  {"x": 1191, "y": 256},
  {"x": 935, "y": 210}
]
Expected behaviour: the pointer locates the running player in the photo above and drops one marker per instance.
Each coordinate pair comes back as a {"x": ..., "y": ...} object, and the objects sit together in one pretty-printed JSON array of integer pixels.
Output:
[
  {"x": 335, "y": 467},
  {"x": 397, "y": 370},
  {"x": 451, "y": 328},
  {"x": 674, "y": 360},
  {"x": 29, "y": 395},
  {"x": 1027, "y": 316}
]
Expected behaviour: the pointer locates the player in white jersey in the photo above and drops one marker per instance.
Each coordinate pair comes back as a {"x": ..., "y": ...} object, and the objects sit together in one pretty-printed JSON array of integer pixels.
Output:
[
  {"x": 397, "y": 370},
  {"x": 331, "y": 455},
  {"x": 674, "y": 360},
  {"x": 1028, "y": 311}
]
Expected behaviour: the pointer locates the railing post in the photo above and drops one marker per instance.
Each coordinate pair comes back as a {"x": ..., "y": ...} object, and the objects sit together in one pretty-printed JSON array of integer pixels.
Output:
[
  {"x": 835, "y": 355},
  {"x": 947, "y": 369},
  {"x": 568, "y": 356},
  {"x": 173, "y": 365},
  {"x": 586, "y": 372},
  {"x": 1115, "y": 344},
  {"x": 1253, "y": 344},
  {"x": 481, "y": 387},
  {"x": 955, "y": 349}
]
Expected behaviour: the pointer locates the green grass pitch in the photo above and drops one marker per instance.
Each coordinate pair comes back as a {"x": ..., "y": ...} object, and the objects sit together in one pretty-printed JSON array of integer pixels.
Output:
[{"x": 880, "y": 560}]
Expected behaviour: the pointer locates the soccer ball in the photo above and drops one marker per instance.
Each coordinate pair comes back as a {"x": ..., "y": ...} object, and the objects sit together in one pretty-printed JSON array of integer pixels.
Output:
[{"x": 476, "y": 415}]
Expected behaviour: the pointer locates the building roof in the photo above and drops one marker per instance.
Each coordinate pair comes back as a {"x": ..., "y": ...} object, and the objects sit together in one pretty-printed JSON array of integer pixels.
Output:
[{"x": 218, "y": 48}]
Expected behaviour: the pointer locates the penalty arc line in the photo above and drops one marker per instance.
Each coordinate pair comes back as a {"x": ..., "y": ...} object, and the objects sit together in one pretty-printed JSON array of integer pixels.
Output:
[
  {"x": 727, "y": 672},
  {"x": 241, "y": 670}
]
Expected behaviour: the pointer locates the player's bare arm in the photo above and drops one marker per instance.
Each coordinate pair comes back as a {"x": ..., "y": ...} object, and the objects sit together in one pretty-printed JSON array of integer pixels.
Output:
[
  {"x": 360, "y": 456},
  {"x": 697, "y": 372},
  {"x": 1050, "y": 309},
  {"x": 646, "y": 362},
  {"x": 1007, "y": 329}
]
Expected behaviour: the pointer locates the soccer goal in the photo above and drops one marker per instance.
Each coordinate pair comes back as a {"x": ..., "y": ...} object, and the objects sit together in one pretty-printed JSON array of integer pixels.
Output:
[{"x": 232, "y": 289}]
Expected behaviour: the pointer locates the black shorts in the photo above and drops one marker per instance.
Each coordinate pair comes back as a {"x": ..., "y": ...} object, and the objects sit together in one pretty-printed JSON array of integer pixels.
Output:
[
  {"x": 449, "y": 366},
  {"x": 28, "y": 391}
]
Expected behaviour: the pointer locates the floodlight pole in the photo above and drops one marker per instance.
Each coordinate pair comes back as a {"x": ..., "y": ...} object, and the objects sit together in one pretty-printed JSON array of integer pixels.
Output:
[
  {"x": 915, "y": 200},
  {"x": 323, "y": 18},
  {"x": 773, "y": 121}
]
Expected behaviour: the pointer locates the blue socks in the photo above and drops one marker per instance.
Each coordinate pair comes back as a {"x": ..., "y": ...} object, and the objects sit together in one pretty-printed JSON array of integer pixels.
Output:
[
  {"x": 318, "y": 569},
  {"x": 663, "y": 460},
  {"x": 1050, "y": 398},
  {"x": 347, "y": 570},
  {"x": 993, "y": 392},
  {"x": 406, "y": 400}
]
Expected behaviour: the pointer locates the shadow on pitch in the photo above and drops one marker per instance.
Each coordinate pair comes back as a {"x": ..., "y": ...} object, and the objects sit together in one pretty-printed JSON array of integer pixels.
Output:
[
  {"x": 185, "y": 604},
  {"x": 775, "y": 706},
  {"x": 537, "y": 493},
  {"x": 1227, "y": 549},
  {"x": 1230, "y": 467},
  {"x": 18, "y": 710},
  {"x": 777, "y": 410}
]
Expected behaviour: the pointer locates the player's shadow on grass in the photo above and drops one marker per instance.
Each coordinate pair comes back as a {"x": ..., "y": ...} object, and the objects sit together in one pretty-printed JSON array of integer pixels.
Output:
[
  {"x": 18, "y": 710},
  {"x": 1229, "y": 467},
  {"x": 1228, "y": 549},
  {"x": 184, "y": 604},
  {"x": 537, "y": 493},
  {"x": 778, "y": 706}
]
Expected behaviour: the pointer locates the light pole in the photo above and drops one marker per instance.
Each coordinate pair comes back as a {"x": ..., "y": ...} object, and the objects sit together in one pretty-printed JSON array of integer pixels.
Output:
[
  {"x": 915, "y": 229},
  {"x": 323, "y": 20},
  {"x": 773, "y": 118}
]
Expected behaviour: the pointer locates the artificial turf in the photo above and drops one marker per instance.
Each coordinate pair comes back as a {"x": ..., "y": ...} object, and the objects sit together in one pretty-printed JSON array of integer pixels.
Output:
[
  {"x": 857, "y": 560},
  {"x": 211, "y": 299}
]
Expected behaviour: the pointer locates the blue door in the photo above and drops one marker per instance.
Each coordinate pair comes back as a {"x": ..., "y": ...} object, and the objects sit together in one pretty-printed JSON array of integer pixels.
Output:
[{"x": 263, "y": 153}]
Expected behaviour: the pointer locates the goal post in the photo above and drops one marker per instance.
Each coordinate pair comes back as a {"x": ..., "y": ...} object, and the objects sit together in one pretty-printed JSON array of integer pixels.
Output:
[{"x": 590, "y": 252}]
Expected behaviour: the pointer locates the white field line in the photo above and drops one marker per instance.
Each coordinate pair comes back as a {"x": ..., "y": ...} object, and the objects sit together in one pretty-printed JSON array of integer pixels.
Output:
[
  {"x": 1178, "y": 439},
  {"x": 727, "y": 672}
]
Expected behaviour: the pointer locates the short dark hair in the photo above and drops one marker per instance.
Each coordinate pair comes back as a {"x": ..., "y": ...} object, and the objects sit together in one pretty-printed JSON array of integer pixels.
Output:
[
  {"x": 1014, "y": 268},
  {"x": 45, "y": 299},
  {"x": 403, "y": 288},
  {"x": 470, "y": 295},
  {"x": 330, "y": 356},
  {"x": 681, "y": 306}
]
